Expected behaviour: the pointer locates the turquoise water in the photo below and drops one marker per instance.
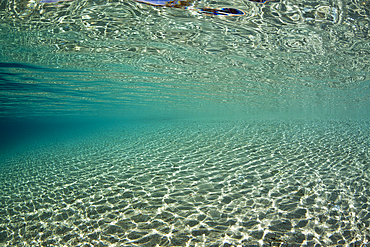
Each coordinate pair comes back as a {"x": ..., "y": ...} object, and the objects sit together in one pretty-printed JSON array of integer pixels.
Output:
[{"x": 125, "y": 124}]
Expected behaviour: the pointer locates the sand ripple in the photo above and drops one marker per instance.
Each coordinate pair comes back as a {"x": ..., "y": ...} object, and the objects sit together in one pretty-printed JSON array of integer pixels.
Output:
[{"x": 194, "y": 184}]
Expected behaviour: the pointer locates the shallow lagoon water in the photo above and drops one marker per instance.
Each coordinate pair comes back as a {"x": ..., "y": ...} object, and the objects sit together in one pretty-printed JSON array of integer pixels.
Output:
[{"x": 124, "y": 124}]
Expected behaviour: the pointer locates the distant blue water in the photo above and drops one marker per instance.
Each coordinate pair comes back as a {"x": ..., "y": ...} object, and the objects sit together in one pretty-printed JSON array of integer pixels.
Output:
[{"x": 36, "y": 100}]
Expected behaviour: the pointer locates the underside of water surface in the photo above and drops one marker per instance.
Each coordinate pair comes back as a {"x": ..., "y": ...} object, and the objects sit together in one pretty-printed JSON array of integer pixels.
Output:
[{"x": 128, "y": 59}]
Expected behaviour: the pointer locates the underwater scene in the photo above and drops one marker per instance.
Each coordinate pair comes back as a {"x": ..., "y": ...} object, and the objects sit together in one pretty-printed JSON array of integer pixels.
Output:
[{"x": 184, "y": 123}]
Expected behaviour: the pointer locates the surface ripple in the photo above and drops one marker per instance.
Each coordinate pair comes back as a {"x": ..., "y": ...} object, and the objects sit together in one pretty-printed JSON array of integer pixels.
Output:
[{"x": 282, "y": 53}]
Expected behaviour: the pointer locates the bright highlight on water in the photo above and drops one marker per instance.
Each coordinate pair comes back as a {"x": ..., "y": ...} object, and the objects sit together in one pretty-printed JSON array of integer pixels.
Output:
[{"x": 184, "y": 123}]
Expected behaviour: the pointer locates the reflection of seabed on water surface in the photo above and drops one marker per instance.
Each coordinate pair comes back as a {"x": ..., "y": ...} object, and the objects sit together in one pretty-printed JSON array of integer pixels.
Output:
[{"x": 195, "y": 184}]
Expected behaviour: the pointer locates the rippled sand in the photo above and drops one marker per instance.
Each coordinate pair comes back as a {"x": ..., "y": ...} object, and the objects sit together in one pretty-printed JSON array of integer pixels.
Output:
[{"x": 256, "y": 183}]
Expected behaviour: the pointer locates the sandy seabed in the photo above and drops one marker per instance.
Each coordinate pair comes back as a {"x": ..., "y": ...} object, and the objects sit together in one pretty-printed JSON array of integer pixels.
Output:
[{"x": 215, "y": 183}]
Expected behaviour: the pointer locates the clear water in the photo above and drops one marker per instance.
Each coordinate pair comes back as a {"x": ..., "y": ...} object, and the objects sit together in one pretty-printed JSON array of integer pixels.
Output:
[{"x": 124, "y": 124}]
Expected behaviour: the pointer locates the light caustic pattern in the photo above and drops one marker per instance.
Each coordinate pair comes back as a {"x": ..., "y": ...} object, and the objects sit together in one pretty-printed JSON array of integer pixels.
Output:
[{"x": 254, "y": 183}]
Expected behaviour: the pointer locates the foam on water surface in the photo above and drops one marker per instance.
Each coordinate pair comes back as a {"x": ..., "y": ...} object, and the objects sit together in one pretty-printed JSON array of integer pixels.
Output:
[{"x": 220, "y": 183}]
